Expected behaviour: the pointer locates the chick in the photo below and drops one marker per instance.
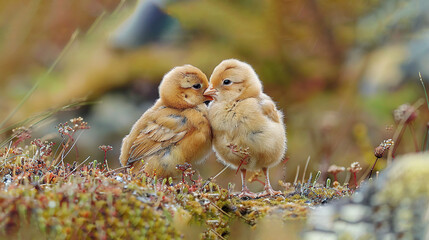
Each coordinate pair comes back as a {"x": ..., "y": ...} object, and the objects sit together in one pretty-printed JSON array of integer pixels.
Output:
[
  {"x": 248, "y": 130},
  {"x": 173, "y": 131}
]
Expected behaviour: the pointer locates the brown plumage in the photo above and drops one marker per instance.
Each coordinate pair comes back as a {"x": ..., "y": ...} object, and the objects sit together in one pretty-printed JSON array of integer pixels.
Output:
[
  {"x": 175, "y": 130},
  {"x": 242, "y": 116}
]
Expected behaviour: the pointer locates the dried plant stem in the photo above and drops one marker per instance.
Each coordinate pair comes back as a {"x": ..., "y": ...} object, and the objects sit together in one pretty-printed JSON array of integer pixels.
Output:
[
  {"x": 117, "y": 169},
  {"x": 346, "y": 181},
  {"x": 105, "y": 160},
  {"x": 217, "y": 234},
  {"x": 305, "y": 169},
  {"x": 74, "y": 143},
  {"x": 296, "y": 175},
  {"x": 370, "y": 173},
  {"x": 61, "y": 154},
  {"x": 401, "y": 133},
  {"x": 118, "y": 8},
  {"x": 8, "y": 150},
  {"x": 424, "y": 89},
  {"x": 416, "y": 145},
  {"x": 425, "y": 142},
  {"x": 400, "y": 128},
  {"x": 219, "y": 173},
  {"x": 95, "y": 23},
  {"x": 74, "y": 170},
  {"x": 215, "y": 176},
  {"x": 219, "y": 209}
]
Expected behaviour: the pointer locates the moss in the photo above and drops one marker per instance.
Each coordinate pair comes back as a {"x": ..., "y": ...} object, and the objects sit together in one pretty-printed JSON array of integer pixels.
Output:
[
  {"x": 81, "y": 201},
  {"x": 90, "y": 203}
]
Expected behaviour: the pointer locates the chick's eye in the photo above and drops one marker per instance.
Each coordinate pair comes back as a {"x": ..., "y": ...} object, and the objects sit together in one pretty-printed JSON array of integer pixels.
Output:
[
  {"x": 196, "y": 86},
  {"x": 227, "y": 82}
]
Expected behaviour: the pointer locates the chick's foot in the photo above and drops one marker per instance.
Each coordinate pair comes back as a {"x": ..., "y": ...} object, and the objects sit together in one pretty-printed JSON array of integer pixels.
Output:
[
  {"x": 269, "y": 192},
  {"x": 246, "y": 193}
]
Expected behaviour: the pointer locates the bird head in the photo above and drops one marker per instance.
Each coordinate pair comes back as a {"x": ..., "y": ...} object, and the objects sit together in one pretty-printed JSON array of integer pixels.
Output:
[
  {"x": 233, "y": 80},
  {"x": 183, "y": 87}
]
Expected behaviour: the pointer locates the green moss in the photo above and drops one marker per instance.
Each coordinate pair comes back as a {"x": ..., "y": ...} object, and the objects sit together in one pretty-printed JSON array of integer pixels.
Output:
[{"x": 82, "y": 201}]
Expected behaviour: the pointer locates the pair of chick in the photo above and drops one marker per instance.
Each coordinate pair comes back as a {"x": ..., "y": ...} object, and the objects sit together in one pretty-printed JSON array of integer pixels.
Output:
[{"x": 242, "y": 123}]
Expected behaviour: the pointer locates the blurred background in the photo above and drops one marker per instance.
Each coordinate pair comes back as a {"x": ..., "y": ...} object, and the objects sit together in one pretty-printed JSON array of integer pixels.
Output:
[{"x": 337, "y": 69}]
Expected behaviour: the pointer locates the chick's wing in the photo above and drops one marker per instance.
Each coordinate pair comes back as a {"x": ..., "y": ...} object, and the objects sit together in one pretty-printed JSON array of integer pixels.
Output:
[
  {"x": 269, "y": 108},
  {"x": 158, "y": 136}
]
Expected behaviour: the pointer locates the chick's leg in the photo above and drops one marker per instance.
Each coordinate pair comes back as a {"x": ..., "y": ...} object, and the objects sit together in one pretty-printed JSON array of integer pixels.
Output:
[
  {"x": 269, "y": 191},
  {"x": 245, "y": 192}
]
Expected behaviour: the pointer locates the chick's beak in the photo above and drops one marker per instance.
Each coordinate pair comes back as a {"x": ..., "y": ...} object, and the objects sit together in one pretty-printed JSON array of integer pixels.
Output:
[{"x": 210, "y": 93}]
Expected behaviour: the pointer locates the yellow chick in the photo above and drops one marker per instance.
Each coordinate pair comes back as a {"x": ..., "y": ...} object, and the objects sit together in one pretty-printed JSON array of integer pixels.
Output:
[
  {"x": 173, "y": 131},
  {"x": 248, "y": 130}
]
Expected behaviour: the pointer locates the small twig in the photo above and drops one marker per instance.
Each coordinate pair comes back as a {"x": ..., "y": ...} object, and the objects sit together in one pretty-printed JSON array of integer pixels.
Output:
[
  {"x": 60, "y": 155},
  {"x": 219, "y": 173},
  {"x": 217, "y": 234},
  {"x": 74, "y": 143},
  {"x": 58, "y": 148},
  {"x": 117, "y": 169},
  {"x": 239, "y": 215},
  {"x": 215, "y": 176},
  {"x": 74, "y": 170},
  {"x": 370, "y": 173},
  {"x": 220, "y": 209}
]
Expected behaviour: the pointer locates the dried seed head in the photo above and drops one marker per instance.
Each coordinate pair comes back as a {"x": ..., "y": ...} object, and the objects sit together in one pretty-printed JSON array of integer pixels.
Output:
[
  {"x": 78, "y": 123},
  {"x": 334, "y": 169},
  {"x": 21, "y": 133},
  {"x": 385, "y": 145},
  {"x": 68, "y": 128},
  {"x": 354, "y": 167},
  {"x": 105, "y": 148},
  {"x": 379, "y": 151},
  {"x": 405, "y": 111}
]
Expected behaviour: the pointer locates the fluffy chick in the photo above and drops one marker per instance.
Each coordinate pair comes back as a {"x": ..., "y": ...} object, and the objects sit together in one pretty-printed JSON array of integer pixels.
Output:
[
  {"x": 242, "y": 116},
  {"x": 173, "y": 131}
]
